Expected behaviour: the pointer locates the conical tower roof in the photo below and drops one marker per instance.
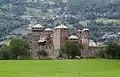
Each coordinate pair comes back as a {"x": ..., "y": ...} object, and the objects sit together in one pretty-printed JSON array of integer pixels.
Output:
[
  {"x": 48, "y": 29},
  {"x": 61, "y": 26},
  {"x": 38, "y": 26}
]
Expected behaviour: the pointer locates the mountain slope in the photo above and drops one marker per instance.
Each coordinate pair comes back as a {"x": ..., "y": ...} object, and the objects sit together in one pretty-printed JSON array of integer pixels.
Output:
[{"x": 12, "y": 12}]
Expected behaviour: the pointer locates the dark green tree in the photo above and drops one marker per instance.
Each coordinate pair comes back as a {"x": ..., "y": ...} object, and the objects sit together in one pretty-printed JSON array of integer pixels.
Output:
[
  {"x": 111, "y": 51},
  {"x": 71, "y": 49},
  {"x": 4, "y": 53},
  {"x": 18, "y": 47}
]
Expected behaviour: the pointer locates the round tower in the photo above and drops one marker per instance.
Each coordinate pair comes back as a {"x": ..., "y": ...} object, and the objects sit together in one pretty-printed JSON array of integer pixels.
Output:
[
  {"x": 79, "y": 35},
  {"x": 73, "y": 38},
  {"x": 60, "y": 36},
  {"x": 85, "y": 38},
  {"x": 38, "y": 32},
  {"x": 36, "y": 35}
]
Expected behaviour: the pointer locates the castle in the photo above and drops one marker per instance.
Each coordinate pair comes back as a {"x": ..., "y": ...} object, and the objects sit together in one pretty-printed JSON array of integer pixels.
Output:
[{"x": 51, "y": 40}]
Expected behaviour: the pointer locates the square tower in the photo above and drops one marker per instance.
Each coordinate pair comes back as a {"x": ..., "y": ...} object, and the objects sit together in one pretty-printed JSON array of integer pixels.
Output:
[{"x": 60, "y": 36}]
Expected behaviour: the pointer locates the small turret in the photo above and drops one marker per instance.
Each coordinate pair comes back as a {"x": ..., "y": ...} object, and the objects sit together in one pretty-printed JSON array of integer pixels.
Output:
[
  {"x": 73, "y": 37},
  {"x": 85, "y": 38},
  {"x": 79, "y": 35}
]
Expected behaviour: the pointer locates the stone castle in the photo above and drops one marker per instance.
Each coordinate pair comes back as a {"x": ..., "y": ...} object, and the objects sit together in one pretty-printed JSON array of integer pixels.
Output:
[{"x": 51, "y": 40}]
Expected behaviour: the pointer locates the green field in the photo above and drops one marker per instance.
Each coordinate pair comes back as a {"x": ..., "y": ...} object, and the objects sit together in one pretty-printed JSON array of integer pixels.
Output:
[{"x": 65, "y": 68}]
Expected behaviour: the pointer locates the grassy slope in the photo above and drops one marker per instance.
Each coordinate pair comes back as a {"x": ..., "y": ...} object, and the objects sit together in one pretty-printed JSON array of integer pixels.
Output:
[
  {"x": 105, "y": 21},
  {"x": 108, "y": 21},
  {"x": 82, "y": 68}
]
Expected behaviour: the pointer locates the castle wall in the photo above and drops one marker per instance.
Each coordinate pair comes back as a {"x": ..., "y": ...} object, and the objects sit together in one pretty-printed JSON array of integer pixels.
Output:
[{"x": 92, "y": 52}]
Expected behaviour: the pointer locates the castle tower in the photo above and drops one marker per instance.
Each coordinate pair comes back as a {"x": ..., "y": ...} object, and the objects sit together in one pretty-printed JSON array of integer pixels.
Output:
[
  {"x": 38, "y": 32},
  {"x": 60, "y": 36},
  {"x": 79, "y": 35},
  {"x": 48, "y": 33},
  {"x": 85, "y": 38},
  {"x": 49, "y": 41},
  {"x": 36, "y": 35}
]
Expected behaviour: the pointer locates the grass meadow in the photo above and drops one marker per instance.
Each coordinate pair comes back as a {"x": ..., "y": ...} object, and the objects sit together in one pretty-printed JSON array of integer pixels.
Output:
[{"x": 60, "y": 68}]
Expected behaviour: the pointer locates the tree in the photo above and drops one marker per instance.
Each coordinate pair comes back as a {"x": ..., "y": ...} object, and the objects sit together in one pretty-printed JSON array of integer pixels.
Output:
[
  {"x": 4, "y": 53},
  {"x": 111, "y": 51},
  {"x": 71, "y": 49},
  {"x": 17, "y": 47}
]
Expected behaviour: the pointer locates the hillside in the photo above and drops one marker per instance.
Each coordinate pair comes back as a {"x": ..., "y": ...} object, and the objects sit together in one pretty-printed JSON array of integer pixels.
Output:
[{"x": 16, "y": 13}]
